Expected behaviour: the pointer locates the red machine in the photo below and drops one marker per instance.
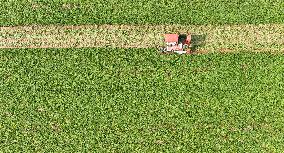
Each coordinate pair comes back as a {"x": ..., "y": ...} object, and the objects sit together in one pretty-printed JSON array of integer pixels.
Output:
[{"x": 177, "y": 44}]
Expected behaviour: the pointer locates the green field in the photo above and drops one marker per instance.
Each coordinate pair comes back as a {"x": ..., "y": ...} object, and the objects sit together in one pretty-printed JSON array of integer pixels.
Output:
[
  {"x": 136, "y": 100},
  {"x": 122, "y": 100},
  {"x": 140, "y": 12}
]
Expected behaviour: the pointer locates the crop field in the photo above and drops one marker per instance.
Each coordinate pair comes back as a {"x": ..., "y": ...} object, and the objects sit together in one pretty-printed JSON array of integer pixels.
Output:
[
  {"x": 134, "y": 100},
  {"x": 77, "y": 12},
  {"x": 86, "y": 76}
]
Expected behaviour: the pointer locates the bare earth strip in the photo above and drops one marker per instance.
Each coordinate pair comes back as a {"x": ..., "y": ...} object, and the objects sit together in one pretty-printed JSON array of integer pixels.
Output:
[{"x": 225, "y": 38}]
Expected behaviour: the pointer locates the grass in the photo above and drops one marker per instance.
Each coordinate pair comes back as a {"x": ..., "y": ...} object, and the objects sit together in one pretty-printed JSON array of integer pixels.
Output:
[
  {"x": 74, "y": 12},
  {"x": 120, "y": 100}
]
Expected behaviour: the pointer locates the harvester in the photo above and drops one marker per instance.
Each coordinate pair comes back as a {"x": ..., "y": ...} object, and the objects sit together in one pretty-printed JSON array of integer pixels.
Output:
[{"x": 176, "y": 43}]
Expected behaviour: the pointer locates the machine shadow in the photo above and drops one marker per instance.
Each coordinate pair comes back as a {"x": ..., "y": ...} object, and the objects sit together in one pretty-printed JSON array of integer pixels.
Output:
[{"x": 197, "y": 41}]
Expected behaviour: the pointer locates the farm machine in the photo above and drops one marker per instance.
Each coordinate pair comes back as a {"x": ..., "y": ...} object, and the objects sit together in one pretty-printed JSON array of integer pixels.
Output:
[{"x": 176, "y": 43}]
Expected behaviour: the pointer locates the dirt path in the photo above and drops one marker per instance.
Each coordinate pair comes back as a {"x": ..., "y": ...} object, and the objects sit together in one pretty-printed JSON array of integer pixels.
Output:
[{"x": 216, "y": 38}]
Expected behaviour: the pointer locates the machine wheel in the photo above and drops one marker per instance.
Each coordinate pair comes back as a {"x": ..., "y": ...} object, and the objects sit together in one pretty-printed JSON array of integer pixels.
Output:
[{"x": 161, "y": 49}]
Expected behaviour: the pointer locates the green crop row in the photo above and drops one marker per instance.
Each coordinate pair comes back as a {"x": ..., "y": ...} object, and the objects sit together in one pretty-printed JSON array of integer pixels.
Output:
[
  {"x": 117, "y": 100},
  {"x": 23, "y": 12}
]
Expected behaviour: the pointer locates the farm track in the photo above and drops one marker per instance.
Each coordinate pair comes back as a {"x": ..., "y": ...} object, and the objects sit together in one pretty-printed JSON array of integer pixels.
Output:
[{"x": 223, "y": 38}]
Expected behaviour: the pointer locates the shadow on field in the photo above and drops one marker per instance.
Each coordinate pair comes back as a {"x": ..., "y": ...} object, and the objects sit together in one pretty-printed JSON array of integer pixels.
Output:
[{"x": 197, "y": 41}]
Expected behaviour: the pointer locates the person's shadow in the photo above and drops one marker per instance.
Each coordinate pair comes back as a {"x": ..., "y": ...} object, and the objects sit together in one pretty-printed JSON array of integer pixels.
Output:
[{"x": 196, "y": 40}]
